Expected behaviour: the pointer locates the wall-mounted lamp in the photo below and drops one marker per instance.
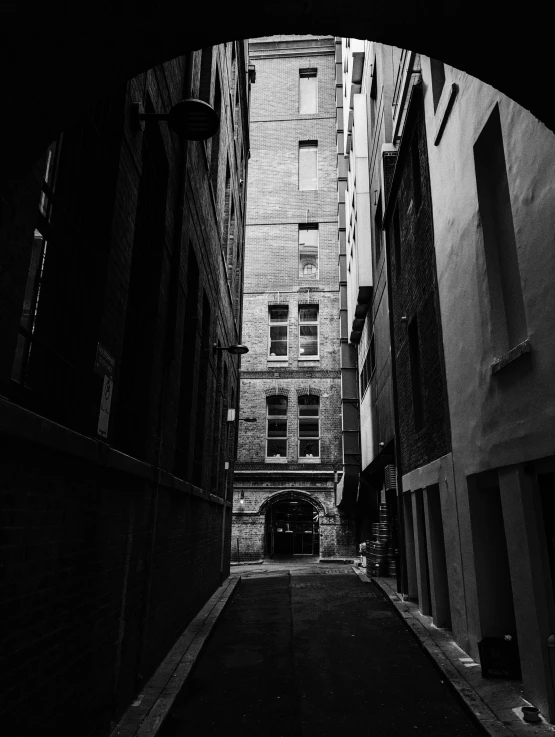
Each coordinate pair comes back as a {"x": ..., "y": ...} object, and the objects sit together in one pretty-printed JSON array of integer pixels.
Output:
[
  {"x": 235, "y": 350},
  {"x": 191, "y": 119}
]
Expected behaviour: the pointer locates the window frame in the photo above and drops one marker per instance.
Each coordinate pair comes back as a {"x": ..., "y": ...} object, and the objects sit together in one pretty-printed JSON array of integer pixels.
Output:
[
  {"x": 318, "y": 437},
  {"x": 308, "y": 144},
  {"x": 280, "y": 323},
  {"x": 308, "y": 73},
  {"x": 306, "y": 227},
  {"x": 310, "y": 323},
  {"x": 269, "y": 417}
]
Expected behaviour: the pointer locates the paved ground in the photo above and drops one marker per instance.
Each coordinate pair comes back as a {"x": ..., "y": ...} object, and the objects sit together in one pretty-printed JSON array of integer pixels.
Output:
[{"x": 308, "y": 650}]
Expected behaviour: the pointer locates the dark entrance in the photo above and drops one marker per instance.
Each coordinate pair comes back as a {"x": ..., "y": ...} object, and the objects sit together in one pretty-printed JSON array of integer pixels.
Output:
[{"x": 292, "y": 529}]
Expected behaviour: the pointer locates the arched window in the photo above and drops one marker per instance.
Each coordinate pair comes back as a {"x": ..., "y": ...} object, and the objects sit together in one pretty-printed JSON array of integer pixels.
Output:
[
  {"x": 308, "y": 251},
  {"x": 276, "y": 427},
  {"x": 309, "y": 427}
]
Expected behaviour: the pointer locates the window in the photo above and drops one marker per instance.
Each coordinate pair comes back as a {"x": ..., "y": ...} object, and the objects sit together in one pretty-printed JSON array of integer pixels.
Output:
[
  {"x": 308, "y": 251},
  {"x": 309, "y": 426},
  {"x": 396, "y": 228},
  {"x": 36, "y": 268},
  {"x": 378, "y": 229},
  {"x": 416, "y": 173},
  {"x": 416, "y": 375},
  {"x": 215, "y": 140},
  {"x": 205, "y": 74},
  {"x": 276, "y": 423},
  {"x": 278, "y": 327},
  {"x": 308, "y": 91},
  {"x": 189, "y": 357},
  {"x": 494, "y": 200},
  {"x": 438, "y": 80},
  {"x": 308, "y": 332},
  {"x": 368, "y": 367},
  {"x": 308, "y": 165}
]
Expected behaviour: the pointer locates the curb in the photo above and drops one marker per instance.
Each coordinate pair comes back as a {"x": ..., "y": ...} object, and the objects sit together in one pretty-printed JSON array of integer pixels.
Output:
[
  {"x": 494, "y": 704},
  {"x": 247, "y": 563},
  {"x": 146, "y": 714}
]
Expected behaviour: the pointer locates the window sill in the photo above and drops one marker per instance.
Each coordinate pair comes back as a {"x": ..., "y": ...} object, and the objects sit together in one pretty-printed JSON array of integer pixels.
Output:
[
  {"x": 309, "y": 358},
  {"x": 511, "y": 356},
  {"x": 309, "y": 460},
  {"x": 278, "y": 359},
  {"x": 276, "y": 459}
]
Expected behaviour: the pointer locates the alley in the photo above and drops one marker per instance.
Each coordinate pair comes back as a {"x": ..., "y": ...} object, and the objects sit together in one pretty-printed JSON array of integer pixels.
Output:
[{"x": 314, "y": 651}]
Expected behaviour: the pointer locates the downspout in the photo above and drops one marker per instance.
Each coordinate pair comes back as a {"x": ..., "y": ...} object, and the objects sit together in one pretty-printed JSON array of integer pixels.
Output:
[{"x": 402, "y": 581}]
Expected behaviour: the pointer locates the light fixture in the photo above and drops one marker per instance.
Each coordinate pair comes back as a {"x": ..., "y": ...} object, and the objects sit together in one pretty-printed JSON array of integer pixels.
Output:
[
  {"x": 236, "y": 350},
  {"x": 191, "y": 119}
]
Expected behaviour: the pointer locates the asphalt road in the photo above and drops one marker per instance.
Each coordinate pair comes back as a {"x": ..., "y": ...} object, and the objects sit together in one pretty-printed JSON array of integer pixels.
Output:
[{"x": 310, "y": 652}]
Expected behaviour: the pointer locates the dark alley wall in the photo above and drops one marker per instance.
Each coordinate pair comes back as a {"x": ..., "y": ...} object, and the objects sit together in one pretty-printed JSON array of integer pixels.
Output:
[
  {"x": 121, "y": 265},
  {"x": 104, "y": 570}
]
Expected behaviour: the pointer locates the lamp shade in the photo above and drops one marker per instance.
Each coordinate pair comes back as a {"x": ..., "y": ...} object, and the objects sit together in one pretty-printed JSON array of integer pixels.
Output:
[{"x": 193, "y": 119}]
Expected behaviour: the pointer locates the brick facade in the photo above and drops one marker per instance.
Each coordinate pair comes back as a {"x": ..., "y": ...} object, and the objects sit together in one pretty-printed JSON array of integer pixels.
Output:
[
  {"x": 415, "y": 296},
  {"x": 111, "y": 544},
  {"x": 276, "y": 210}
]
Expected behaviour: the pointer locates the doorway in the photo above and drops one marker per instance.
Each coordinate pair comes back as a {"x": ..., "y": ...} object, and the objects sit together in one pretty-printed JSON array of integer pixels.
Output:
[
  {"x": 491, "y": 559},
  {"x": 292, "y": 528}
]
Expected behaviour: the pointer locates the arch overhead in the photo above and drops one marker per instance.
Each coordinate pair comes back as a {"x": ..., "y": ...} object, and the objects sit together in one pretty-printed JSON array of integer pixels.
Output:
[
  {"x": 289, "y": 495},
  {"x": 60, "y": 60}
]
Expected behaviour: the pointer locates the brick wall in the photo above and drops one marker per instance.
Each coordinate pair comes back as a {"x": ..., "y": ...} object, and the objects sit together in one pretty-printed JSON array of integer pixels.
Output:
[
  {"x": 414, "y": 292},
  {"x": 249, "y": 540},
  {"x": 252, "y": 436},
  {"x": 103, "y": 568},
  {"x": 102, "y": 571},
  {"x": 276, "y": 209}
]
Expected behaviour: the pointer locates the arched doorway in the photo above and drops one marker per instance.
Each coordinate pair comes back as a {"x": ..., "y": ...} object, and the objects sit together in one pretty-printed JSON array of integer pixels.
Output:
[{"x": 292, "y": 528}]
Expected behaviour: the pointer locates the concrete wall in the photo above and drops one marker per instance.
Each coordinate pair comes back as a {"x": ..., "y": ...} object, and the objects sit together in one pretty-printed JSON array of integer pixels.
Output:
[
  {"x": 500, "y": 402},
  {"x": 506, "y": 417}
]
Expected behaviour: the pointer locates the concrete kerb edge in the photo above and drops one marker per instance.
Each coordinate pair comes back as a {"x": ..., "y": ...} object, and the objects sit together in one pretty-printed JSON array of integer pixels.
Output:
[
  {"x": 491, "y": 725},
  {"x": 173, "y": 672}
]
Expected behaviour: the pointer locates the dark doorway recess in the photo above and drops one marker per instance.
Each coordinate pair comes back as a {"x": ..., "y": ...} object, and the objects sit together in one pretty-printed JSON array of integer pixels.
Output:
[{"x": 292, "y": 528}]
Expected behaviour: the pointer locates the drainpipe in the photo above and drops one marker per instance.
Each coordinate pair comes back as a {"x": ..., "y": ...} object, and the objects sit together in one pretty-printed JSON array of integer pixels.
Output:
[{"x": 402, "y": 581}]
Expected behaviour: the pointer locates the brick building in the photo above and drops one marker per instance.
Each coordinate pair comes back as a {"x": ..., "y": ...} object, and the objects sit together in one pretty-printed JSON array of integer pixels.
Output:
[
  {"x": 122, "y": 267},
  {"x": 291, "y": 460}
]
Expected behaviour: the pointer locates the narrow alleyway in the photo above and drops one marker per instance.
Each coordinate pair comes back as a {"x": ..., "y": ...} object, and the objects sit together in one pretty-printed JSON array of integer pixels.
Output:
[{"x": 305, "y": 651}]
